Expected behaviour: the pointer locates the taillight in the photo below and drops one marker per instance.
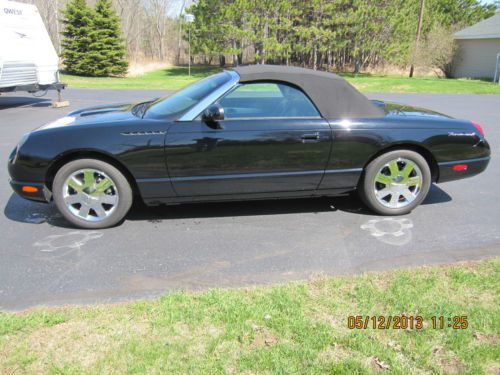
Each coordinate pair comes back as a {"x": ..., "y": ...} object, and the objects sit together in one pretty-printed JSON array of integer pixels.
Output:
[
  {"x": 478, "y": 127},
  {"x": 460, "y": 167}
]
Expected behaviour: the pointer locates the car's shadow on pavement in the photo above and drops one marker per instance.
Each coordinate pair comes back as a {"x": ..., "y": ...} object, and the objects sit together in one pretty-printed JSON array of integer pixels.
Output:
[
  {"x": 21, "y": 210},
  {"x": 7, "y": 102}
]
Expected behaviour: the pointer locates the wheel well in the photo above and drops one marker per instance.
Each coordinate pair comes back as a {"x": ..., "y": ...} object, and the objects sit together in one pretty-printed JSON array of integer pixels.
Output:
[
  {"x": 66, "y": 158},
  {"x": 426, "y": 154}
]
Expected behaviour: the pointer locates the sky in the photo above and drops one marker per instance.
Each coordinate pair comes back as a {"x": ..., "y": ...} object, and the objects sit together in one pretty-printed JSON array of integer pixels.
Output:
[{"x": 177, "y": 6}]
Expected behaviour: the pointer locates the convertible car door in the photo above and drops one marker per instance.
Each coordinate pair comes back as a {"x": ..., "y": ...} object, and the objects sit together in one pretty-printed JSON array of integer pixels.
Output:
[{"x": 271, "y": 140}]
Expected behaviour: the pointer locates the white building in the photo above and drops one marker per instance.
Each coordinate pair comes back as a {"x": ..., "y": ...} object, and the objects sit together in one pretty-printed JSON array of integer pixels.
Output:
[{"x": 478, "y": 47}]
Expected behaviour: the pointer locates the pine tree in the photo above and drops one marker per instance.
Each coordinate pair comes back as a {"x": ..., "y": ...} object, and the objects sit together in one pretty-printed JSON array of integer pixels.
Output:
[
  {"x": 92, "y": 43},
  {"x": 78, "y": 26},
  {"x": 107, "y": 50}
]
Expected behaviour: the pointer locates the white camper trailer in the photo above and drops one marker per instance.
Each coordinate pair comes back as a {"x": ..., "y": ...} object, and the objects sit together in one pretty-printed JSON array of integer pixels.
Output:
[{"x": 28, "y": 60}]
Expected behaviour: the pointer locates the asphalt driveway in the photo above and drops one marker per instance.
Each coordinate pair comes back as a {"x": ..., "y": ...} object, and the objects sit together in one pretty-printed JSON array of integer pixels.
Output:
[{"x": 43, "y": 261}]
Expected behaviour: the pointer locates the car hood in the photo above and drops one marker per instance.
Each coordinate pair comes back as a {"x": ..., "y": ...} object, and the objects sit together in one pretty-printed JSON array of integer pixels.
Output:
[
  {"x": 396, "y": 109},
  {"x": 102, "y": 110},
  {"x": 96, "y": 115}
]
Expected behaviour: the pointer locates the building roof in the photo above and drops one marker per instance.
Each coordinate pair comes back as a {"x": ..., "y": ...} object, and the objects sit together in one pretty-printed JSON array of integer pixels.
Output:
[
  {"x": 333, "y": 96},
  {"x": 486, "y": 29}
]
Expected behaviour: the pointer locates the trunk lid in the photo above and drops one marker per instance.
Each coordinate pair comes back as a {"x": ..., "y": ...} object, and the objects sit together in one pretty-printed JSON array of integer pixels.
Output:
[{"x": 395, "y": 109}]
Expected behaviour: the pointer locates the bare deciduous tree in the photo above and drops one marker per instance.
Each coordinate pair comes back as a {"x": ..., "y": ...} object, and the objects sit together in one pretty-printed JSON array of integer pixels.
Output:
[
  {"x": 150, "y": 27},
  {"x": 438, "y": 49}
]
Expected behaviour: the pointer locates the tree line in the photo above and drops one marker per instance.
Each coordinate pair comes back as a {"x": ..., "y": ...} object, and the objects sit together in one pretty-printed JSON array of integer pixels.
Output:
[
  {"x": 150, "y": 27},
  {"x": 321, "y": 34},
  {"x": 327, "y": 34}
]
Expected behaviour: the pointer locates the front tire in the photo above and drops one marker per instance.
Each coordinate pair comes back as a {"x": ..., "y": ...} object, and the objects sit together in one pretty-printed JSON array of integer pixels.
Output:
[
  {"x": 395, "y": 182},
  {"x": 91, "y": 193}
]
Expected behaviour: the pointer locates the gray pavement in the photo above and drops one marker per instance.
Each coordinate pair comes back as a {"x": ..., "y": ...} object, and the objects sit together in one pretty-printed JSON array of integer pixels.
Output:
[{"x": 43, "y": 261}]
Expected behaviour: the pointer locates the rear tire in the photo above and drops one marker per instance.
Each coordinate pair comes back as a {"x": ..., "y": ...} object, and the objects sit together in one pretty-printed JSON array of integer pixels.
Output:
[
  {"x": 395, "y": 182},
  {"x": 91, "y": 193}
]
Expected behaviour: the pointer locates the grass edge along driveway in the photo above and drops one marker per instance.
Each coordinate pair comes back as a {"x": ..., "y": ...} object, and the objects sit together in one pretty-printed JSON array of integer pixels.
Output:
[
  {"x": 298, "y": 327},
  {"x": 176, "y": 77}
]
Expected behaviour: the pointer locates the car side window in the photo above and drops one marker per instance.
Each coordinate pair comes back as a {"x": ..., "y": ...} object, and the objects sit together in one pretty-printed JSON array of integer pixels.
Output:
[{"x": 267, "y": 100}]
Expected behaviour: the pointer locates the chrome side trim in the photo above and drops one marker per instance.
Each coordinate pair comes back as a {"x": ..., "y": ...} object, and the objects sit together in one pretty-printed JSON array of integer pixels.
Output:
[
  {"x": 275, "y": 118},
  {"x": 203, "y": 104},
  {"x": 444, "y": 163},
  {"x": 349, "y": 170},
  {"x": 246, "y": 175}
]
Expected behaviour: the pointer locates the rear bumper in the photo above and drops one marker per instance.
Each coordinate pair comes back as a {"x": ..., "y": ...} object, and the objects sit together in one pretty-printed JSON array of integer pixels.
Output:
[
  {"x": 474, "y": 167},
  {"x": 41, "y": 195}
]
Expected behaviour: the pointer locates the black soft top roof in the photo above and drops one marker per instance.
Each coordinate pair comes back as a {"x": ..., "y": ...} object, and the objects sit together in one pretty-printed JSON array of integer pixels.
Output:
[{"x": 334, "y": 96}]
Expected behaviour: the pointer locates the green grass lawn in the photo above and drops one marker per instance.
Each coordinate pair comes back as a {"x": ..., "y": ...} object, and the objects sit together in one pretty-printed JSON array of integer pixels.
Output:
[
  {"x": 374, "y": 83},
  {"x": 172, "y": 78},
  {"x": 295, "y": 328},
  {"x": 177, "y": 77}
]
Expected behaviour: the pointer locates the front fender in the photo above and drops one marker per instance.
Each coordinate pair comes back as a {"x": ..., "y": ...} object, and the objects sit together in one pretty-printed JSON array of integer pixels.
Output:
[{"x": 142, "y": 153}]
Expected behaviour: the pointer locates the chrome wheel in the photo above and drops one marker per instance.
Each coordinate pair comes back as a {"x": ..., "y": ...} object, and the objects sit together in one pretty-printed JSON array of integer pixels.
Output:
[
  {"x": 398, "y": 183},
  {"x": 90, "y": 194}
]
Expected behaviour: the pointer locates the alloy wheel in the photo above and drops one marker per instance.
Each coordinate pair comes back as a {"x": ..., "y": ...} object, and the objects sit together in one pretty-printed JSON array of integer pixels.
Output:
[
  {"x": 90, "y": 194},
  {"x": 398, "y": 183}
]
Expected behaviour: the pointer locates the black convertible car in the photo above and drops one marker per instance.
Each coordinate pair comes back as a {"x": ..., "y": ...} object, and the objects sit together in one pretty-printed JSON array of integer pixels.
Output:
[{"x": 255, "y": 132}]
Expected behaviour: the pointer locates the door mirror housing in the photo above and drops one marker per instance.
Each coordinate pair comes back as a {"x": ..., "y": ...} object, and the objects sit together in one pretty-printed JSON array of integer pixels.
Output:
[{"x": 212, "y": 115}]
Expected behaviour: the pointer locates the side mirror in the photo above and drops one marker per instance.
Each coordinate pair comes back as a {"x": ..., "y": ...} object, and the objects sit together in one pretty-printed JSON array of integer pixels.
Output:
[{"x": 212, "y": 115}]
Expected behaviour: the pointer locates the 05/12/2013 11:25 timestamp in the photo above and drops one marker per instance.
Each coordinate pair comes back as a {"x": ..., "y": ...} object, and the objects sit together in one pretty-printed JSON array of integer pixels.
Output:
[{"x": 406, "y": 322}]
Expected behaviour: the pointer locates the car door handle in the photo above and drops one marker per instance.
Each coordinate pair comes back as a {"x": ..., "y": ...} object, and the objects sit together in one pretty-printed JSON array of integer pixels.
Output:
[{"x": 310, "y": 137}]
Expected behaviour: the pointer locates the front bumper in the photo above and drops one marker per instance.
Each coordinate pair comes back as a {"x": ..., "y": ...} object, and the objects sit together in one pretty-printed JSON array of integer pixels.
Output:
[
  {"x": 474, "y": 167},
  {"x": 43, "y": 194},
  {"x": 21, "y": 176}
]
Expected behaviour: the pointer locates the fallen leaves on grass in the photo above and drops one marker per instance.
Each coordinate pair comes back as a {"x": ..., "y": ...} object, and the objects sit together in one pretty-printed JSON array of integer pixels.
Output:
[{"x": 382, "y": 365}]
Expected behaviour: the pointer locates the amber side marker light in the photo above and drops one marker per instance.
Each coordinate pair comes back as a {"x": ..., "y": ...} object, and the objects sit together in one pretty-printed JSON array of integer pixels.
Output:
[
  {"x": 30, "y": 189},
  {"x": 460, "y": 167}
]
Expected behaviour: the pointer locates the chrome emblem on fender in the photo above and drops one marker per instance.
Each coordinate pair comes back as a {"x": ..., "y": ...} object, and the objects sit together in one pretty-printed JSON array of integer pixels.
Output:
[{"x": 148, "y": 132}]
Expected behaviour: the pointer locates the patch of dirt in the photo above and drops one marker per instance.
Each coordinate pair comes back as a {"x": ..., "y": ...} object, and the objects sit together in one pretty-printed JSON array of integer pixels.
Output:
[
  {"x": 487, "y": 338},
  {"x": 230, "y": 351},
  {"x": 263, "y": 337},
  {"x": 4, "y": 355},
  {"x": 394, "y": 345},
  {"x": 401, "y": 88},
  {"x": 382, "y": 283},
  {"x": 197, "y": 337},
  {"x": 493, "y": 369},
  {"x": 77, "y": 341},
  {"x": 317, "y": 286},
  {"x": 334, "y": 353},
  {"x": 448, "y": 362},
  {"x": 138, "y": 68},
  {"x": 70, "y": 342},
  {"x": 325, "y": 317},
  {"x": 360, "y": 86}
]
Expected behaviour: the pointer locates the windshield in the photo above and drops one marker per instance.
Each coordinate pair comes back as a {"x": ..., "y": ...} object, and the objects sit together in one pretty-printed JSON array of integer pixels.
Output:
[{"x": 186, "y": 98}]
